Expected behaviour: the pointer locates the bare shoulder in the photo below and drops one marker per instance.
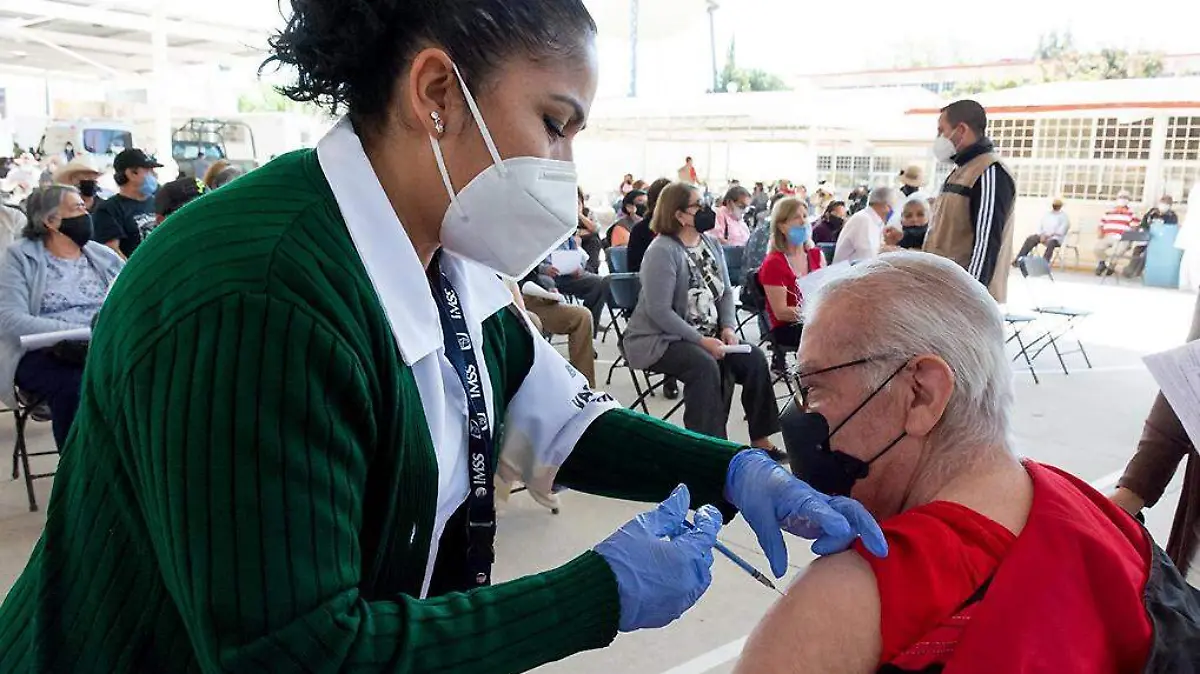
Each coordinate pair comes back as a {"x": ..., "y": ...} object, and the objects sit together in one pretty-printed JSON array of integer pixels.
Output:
[{"x": 828, "y": 622}]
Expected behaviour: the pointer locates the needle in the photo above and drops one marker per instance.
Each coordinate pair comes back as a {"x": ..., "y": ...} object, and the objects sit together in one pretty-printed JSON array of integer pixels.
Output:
[{"x": 741, "y": 563}]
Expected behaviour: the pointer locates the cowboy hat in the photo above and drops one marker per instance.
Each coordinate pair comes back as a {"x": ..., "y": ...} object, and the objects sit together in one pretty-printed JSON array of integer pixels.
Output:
[
  {"x": 82, "y": 167},
  {"x": 913, "y": 176}
]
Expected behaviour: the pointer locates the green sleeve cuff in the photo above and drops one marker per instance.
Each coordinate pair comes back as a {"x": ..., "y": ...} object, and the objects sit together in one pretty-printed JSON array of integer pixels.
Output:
[{"x": 635, "y": 457}]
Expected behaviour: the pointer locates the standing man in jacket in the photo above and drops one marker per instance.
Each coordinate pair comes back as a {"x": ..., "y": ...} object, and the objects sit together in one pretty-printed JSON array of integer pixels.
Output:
[{"x": 972, "y": 219}]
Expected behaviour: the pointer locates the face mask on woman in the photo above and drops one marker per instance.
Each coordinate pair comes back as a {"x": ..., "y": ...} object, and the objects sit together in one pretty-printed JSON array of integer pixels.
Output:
[
  {"x": 77, "y": 229},
  {"x": 798, "y": 235},
  {"x": 511, "y": 215}
]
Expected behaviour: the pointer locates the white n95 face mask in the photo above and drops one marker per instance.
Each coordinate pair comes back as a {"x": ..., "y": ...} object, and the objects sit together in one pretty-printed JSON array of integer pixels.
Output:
[
  {"x": 943, "y": 149},
  {"x": 511, "y": 215}
]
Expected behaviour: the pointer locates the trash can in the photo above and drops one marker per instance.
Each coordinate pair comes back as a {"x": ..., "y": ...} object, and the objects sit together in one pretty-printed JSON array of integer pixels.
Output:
[{"x": 1162, "y": 257}]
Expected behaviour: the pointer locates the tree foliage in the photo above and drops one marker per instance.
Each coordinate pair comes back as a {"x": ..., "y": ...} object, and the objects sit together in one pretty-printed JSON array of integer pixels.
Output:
[
  {"x": 1060, "y": 60},
  {"x": 734, "y": 79}
]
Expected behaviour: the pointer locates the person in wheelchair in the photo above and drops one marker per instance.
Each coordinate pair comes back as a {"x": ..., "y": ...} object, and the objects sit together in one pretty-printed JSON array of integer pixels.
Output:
[
  {"x": 792, "y": 256},
  {"x": 54, "y": 278}
]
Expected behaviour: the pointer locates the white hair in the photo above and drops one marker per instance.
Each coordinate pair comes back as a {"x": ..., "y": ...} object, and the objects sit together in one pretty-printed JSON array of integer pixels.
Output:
[
  {"x": 880, "y": 195},
  {"x": 911, "y": 304}
]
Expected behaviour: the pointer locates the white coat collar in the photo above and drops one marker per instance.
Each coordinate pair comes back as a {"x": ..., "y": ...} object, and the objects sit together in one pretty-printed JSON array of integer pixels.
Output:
[{"x": 389, "y": 257}]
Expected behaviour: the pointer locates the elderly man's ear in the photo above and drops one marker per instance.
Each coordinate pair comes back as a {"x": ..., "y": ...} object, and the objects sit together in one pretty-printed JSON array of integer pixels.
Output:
[{"x": 932, "y": 383}]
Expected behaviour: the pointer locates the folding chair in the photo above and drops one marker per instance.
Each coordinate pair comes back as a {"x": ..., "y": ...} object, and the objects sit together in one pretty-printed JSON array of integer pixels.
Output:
[
  {"x": 28, "y": 407},
  {"x": 828, "y": 249},
  {"x": 1037, "y": 267},
  {"x": 1070, "y": 243},
  {"x": 773, "y": 348},
  {"x": 1019, "y": 323},
  {"x": 618, "y": 259},
  {"x": 623, "y": 291},
  {"x": 735, "y": 257},
  {"x": 1124, "y": 251},
  {"x": 618, "y": 263}
]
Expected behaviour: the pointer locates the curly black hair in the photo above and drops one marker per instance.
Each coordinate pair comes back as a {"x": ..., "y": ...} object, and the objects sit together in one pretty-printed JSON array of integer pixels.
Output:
[{"x": 349, "y": 53}]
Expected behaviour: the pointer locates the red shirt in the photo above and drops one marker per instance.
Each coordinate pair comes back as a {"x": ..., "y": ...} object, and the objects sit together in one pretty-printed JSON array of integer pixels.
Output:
[
  {"x": 777, "y": 271},
  {"x": 1117, "y": 221},
  {"x": 1066, "y": 595}
]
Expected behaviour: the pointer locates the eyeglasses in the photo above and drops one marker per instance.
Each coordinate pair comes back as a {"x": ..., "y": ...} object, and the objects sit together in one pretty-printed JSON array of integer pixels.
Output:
[
  {"x": 693, "y": 207},
  {"x": 798, "y": 377}
]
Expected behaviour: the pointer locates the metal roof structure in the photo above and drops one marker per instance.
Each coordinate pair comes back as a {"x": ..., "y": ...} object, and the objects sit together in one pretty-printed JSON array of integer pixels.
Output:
[{"x": 120, "y": 39}]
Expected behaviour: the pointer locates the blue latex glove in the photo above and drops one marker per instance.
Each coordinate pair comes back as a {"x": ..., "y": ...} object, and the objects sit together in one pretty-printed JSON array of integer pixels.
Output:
[
  {"x": 662, "y": 567},
  {"x": 771, "y": 499}
]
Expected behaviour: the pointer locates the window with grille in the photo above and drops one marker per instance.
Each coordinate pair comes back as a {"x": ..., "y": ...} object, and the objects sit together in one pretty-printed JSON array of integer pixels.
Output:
[
  {"x": 1081, "y": 181},
  {"x": 1065, "y": 138},
  {"x": 824, "y": 162},
  {"x": 1123, "y": 141},
  {"x": 862, "y": 165},
  {"x": 1012, "y": 137},
  {"x": 844, "y": 164},
  {"x": 883, "y": 164},
  {"x": 1036, "y": 180},
  {"x": 1177, "y": 181},
  {"x": 1117, "y": 177},
  {"x": 1183, "y": 139}
]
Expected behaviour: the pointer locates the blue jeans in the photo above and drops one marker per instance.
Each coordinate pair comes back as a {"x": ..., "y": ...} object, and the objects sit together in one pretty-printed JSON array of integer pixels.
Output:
[{"x": 56, "y": 383}]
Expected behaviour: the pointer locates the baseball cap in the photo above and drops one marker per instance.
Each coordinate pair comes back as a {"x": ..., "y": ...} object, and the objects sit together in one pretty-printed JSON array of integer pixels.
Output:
[
  {"x": 133, "y": 159},
  {"x": 173, "y": 195}
]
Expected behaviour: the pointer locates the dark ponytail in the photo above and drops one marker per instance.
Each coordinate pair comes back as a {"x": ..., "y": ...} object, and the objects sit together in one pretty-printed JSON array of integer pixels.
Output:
[{"x": 348, "y": 54}]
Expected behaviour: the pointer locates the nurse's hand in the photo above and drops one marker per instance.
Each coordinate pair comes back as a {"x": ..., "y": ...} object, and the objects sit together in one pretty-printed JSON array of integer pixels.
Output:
[
  {"x": 772, "y": 499},
  {"x": 662, "y": 567}
]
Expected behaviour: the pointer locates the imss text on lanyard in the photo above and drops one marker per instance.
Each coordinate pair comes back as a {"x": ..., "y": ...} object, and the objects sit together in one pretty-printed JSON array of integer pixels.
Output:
[{"x": 481, "y": 501}]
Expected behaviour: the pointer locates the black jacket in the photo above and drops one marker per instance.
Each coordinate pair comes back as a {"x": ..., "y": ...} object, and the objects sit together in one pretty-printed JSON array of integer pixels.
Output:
[
  {"x": 639, "y": 240},
  {"x": 992, "y": 198}
]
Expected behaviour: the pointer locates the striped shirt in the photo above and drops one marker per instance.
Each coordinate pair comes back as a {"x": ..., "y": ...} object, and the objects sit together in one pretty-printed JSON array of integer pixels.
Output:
[{"x": 1117, "y": 221}]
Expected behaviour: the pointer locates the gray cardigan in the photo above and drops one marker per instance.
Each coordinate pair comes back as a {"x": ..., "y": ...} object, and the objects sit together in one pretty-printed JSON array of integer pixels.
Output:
[
  {"x": 659, "y": 319},
  {"x": 22, "y": 286}
]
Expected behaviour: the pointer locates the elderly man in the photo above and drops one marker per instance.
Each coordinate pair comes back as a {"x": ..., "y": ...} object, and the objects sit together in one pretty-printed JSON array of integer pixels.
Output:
[
  {"x": 995, "y": 563},
  {"x": 862, "y": 235},
  {"x": 1051, "y": 232}
]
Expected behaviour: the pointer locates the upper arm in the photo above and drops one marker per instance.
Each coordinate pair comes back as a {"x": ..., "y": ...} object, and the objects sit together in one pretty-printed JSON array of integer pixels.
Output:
[
  {"x": 828, "y": 622},
  {"x": 659, "y": 276}
]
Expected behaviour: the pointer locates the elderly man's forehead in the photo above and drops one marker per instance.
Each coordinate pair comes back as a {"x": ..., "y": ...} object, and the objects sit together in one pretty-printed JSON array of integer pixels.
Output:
[{"x": 830, "y": 332}]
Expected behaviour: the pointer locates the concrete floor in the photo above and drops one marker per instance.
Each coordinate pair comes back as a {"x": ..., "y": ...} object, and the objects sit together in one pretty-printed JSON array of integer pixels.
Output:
[{"x": 1087, "y": 422}]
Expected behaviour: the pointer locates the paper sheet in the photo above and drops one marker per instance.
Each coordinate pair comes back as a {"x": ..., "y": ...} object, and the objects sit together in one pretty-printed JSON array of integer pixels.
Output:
[
  {"x": 48, "y": 339},
  {"x": 567, "y": 261},
  {"x": 809, "y": 283},
  {"x": 1177, "y": 373}
]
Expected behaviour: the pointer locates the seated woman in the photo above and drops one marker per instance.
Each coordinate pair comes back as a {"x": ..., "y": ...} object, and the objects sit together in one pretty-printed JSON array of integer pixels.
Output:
[
  {"x": 995, "y": 563},
  {"x": 914, "y": 220},
  {"x": 684, "y": 320},
  {"x": 731, "y": 229},
  {"x": 55, "y": 278},
  {"x": 793, "y": 256},
  {"x": 829, "y": 226}
]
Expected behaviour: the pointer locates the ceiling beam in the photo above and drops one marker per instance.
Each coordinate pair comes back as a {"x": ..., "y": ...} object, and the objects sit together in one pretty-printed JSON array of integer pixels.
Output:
[
  {"x": 118, "y": 46},
  {"x": 51, "y": 9}
]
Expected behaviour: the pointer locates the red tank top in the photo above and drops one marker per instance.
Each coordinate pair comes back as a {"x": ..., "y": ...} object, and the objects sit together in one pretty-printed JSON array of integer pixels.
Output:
[{"x": 938, "y": 556}]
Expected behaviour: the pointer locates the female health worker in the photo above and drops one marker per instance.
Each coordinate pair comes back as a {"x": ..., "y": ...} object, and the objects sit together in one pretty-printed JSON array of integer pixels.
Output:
[{"x": 300, "y": 386}]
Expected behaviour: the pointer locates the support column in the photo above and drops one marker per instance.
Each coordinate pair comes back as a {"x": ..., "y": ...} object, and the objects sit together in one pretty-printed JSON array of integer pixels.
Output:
[{"x": 160, "y": 89}]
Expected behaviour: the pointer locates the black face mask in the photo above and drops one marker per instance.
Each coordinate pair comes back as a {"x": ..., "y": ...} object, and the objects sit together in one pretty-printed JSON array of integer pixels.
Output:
[
  {"x": 705, "y": 219},
  {"x": 77, "y": 229},
  {"x": 87, "y": 188},
  {"x": 806, "y": 437},
  {"x": 640, "y": 210}
]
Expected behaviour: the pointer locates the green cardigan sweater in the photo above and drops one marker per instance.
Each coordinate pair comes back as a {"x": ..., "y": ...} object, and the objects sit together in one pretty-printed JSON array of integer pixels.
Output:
[{"x": 250, "y": 484}]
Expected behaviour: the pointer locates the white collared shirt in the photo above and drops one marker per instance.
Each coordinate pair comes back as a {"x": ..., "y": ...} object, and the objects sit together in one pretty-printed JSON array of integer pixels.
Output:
[
  {"x": 551, "y": 409},
  {"x": 860, "y": 238}
]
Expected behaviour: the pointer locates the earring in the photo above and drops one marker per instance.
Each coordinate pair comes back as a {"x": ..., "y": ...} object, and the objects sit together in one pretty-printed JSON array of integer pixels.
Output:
[{"x": 438, "y": 124}]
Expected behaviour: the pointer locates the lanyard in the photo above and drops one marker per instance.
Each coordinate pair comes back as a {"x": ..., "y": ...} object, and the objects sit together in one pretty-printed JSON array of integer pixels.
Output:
[{"x": 481, "y": 503}]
